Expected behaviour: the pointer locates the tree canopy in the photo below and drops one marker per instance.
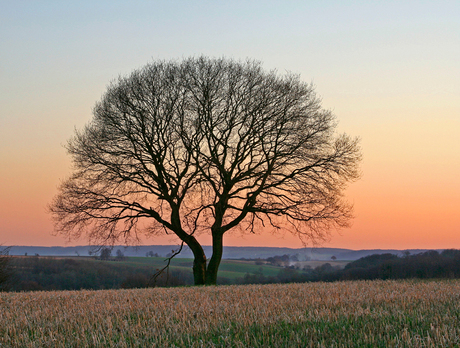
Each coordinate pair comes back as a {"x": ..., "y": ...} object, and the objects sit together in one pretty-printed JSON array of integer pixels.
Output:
[{"x": 205, "y": 146}]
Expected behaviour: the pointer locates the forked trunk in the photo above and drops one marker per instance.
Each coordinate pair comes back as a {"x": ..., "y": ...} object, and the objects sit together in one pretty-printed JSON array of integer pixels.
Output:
[{"x": 203, "y": 275}]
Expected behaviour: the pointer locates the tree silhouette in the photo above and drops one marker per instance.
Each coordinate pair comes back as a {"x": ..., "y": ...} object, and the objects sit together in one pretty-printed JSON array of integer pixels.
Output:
[
  {"x": 120, "y": 256},
  {"x": 106, "y": 253},
  {"x": 206, "y": 146}
]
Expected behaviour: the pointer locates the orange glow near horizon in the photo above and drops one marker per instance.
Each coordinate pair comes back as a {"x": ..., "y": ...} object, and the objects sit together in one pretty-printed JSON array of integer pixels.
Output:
[
  {"x": 406, "y": 199},
  {"x": 384, "y": 220}
]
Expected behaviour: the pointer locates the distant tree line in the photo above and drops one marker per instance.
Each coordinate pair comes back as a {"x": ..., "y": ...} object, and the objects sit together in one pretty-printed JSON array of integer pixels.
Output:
[
  {"x": 427, "y": 265},
  {"x": 283, "y": 260},
  {"x": 42, "y": 273},
  {"x": 278, "y": 260},
  {"x": 5, "y": 269},
  {"x": 430, "y": 264}
]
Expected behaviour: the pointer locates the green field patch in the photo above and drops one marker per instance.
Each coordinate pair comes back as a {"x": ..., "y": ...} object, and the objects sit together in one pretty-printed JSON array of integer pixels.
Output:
[{"x": 243, "y": 267}]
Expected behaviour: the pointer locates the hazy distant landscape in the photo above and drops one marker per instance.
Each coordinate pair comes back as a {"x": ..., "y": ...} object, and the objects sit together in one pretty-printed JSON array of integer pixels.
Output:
[
  {"x": 107, "y": 270},
  {"x": 319, "y": 254}
]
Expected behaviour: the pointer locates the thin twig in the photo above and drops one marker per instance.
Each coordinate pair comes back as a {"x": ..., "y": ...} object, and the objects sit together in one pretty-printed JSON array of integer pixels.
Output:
[{"x": 159, "y": 272}]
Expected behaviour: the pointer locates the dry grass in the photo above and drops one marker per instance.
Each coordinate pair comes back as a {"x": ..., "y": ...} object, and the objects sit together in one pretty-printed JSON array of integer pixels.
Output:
[{"x": 342, "y": 314}]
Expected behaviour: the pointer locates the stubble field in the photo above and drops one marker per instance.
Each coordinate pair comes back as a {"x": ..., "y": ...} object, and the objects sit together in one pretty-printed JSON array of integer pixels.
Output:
[{"x": 340, "y": 314}]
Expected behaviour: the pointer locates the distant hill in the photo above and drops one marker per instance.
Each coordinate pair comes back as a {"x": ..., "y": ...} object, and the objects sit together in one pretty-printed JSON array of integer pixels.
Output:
[{"x": 320, "y": 254}]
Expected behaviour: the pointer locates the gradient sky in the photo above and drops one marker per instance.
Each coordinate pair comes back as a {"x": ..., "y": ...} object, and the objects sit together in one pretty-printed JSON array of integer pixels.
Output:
[{"x": 389, "y": 70}]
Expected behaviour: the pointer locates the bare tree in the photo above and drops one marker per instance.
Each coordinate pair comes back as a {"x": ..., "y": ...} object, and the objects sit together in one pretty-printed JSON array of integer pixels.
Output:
[
  {"x": 106, "y": 253},
  {"x": 206, "y": 146},
  {"x": 120, "y": 256}
]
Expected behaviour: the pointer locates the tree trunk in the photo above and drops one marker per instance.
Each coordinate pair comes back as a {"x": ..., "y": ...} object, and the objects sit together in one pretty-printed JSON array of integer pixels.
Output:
[
  {"x": 217, "y": 250},
  {"x": 199, "y": 262},
  {"x": 199, "y": 270}
]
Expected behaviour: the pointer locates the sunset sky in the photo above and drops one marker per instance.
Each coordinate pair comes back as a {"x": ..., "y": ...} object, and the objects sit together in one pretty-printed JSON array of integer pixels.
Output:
[{"x": 389, "y": 70}]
